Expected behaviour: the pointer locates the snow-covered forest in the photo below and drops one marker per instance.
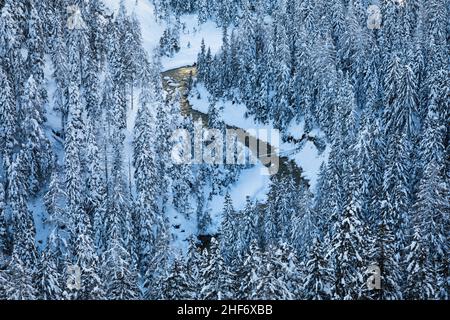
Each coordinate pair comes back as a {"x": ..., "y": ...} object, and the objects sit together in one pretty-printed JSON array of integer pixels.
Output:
[{"x": 94, "y": 206}]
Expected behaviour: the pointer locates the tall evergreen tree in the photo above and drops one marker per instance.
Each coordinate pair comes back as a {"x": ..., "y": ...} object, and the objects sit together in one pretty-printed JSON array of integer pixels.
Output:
[
  {"x": 347, "y": 253},
  {"x": 431, "y": 205},
  {"x": 19, "y": 282},
  {"x": 228, "y": 230}
]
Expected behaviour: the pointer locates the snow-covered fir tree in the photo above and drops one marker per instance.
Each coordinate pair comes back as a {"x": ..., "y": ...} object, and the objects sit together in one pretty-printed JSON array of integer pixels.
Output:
[{"x": 93, "y": 204}]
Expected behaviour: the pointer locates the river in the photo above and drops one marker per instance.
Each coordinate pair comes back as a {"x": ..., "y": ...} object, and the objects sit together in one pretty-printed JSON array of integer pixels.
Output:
[{"x": 179, "y": 78}]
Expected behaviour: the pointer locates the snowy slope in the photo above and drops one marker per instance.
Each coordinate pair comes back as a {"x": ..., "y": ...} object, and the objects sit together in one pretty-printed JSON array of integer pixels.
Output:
[
  {"x": 251, "y": 182},
  {"x": 191, "y": 33}
]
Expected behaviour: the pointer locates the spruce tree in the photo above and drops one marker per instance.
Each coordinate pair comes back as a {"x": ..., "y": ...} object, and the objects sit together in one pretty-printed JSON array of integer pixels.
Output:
[
  {"x": 36, "y": 145},
  {"x": 430, "y": 206},
  {"x": 51, "y": 280},
  {"x": 348, "y": 251},
  {"x": 176, "y": 285},
  {"x": 8, "y": 116},
  {"x": 228, "y": 230},
  {"x": 216, "y": 281},
  {"x": 145, "y": 176},
  {"x": 4, "y": 246},
  {"x": 54, "y": 200},
  {"x": 19, "y": 281},
  {"x": 317, "y": 274}
]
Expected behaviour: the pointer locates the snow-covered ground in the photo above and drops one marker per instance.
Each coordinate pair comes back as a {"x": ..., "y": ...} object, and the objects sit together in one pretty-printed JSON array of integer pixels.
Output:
[
  {"x": 252, "y": 182},
  {"x": 191, "y": 37}
]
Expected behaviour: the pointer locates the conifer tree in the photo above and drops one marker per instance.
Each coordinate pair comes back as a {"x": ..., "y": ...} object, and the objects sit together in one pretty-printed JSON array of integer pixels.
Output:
[
  {"x": 3, "y": 227},
  {"x": 36, "y": 144},
  {"x": 176, "y": 285},
  {"x": 8, "y": 116},
  {"x": 19, "y": 281},
  {"x": 216, "y": 281},
  {"x": 118, "y": 268},
  {"x": 145, "y": 176},
  {"x": 51, "y": 278},
  {"x": 431, "y": 205},
  {"x": 419, "y": 281},
  {"x": 193, "y": 260},
  {"x": 96, "y": 188},
  {"x": 317, "y": 274},
  {"x": 54, "y": 200},
  {"x": 348, "y": 250},
  {"x": 228, "y": 230}
]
